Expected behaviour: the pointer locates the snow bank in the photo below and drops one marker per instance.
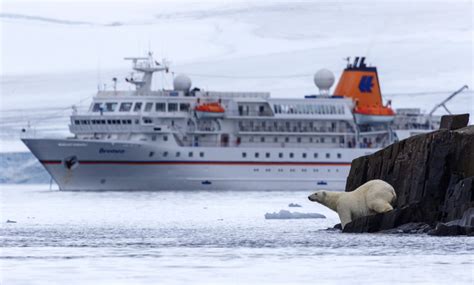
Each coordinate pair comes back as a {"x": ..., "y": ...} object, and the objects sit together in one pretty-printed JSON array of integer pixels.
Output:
[
  {"x": 21, "y": 167},
  {"x": 284, "y": 214}
]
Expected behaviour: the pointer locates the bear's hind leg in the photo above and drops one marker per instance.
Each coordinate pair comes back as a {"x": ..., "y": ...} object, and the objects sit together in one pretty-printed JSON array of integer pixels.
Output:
[{"x": 380, "y": 206}]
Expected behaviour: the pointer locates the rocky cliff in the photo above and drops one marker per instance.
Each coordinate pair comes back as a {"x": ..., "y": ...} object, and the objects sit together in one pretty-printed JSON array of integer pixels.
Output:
[{"x": 433, "y": 175}]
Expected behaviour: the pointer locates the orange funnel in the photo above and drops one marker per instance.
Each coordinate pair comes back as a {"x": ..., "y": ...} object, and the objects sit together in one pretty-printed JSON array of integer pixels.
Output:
[{"x": 361, "y": 83}]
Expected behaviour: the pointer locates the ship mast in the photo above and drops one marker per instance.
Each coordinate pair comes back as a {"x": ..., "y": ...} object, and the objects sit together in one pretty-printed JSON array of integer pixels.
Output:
[{"x": 147, "y": 66}]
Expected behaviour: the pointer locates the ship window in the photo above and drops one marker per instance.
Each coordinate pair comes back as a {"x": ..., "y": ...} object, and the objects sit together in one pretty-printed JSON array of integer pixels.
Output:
[
  {"x": 338, "y": 155},
  {"x": 315, "y": 155},
  {"x": 287, "y": 139},
  {"x": 160, "y": 107},
  {"x": 165, "y": 138},
  {"x": 201, "y": 154},
  {"x": 298, "y": 140},
  {"x": 304, "y": 155},
  {"x": 280, "y": 155},
  {"x": 267, "y": 155},
  {"x": 117, "y": 122},
  {"x": 110, "y": 107},
  {"x": 97, "y": 107},
  {"x": 333, "y": 140},
  {"x": 322, "y": 140},
  {"x": 173, "y": 107},
  {"x": 291, "y": 155},
  {"x": 147, "y": 120},
  {"x": 148, "y": 107},
  {"x": 77, "y": 122},
  {"x": 153, "y": 137},
  {"x": 310, "y": 140},
  {"x": 262, "y": 139},
  {"x": 275, "y": 139},
  {"x": 137, "y": 107},
  {"x": 178, "y": 154},
  {"x": 256, "y": 155},
  {"x": 328, "y": 155},
  {"x": 244, "y": 154},
  {"x": 124, "y": 122},
  {"x": 125, "y": 107},
  {"x": 151, "y": 154},
  {"x": 190, "y": 154},
  {"x": 184, "y": 107},
  {"x": 129, "y": 122},
  {"x": 165, "y": 153},
  {"x": 109, "y": 122}
]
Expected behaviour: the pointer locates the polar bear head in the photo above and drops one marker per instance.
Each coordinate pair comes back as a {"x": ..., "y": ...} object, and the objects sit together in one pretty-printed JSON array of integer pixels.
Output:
[{"x": 318, "y": 196}]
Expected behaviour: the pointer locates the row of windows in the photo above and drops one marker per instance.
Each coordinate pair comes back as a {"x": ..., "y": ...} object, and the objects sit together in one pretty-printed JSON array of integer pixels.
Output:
[
  {"x": 138, "y": 107},
  {"x": 308, "y": 109},
  {"x": 103, "y": 122},
  {"x": 290, "y": 155},
  {"x": 177, "y": 154},
  {"x": 297, "y": 139},
  {"x": 244, "y": 154},
  {"x": 292, "y": 170}
]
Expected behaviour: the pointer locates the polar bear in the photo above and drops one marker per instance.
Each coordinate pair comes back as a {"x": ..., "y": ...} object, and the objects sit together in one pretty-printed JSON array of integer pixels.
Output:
[{"x": 374, "y": 196}]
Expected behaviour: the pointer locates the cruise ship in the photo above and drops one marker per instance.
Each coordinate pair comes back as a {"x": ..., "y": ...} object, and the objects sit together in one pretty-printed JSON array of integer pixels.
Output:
[{"x": 188, "y": 138}]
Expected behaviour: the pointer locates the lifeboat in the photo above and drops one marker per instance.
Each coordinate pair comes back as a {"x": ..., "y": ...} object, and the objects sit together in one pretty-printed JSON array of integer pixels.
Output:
[
  {"x": 210, "y": 110},
  {"x": 373, "y": 115}
]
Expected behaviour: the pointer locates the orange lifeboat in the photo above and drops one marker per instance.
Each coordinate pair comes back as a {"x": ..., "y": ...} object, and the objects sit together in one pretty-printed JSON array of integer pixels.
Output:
[
  {"x": 210, "y": 110},
  {"x": 369, "y": 115},
  {"x": 361, "y": 83}
]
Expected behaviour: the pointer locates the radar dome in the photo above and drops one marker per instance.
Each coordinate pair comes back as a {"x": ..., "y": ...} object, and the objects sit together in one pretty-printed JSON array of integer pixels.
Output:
[
  {"x": 182, "y": 83},
  {"x": 324, "y": 79}
]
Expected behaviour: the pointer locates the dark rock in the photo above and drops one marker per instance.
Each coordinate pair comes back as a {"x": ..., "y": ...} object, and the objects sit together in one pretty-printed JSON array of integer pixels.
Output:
[
  {"x": 450, "y": 230},
  {"x": 454, "y": 122},
  {"x": 433, "y": 176},
  {"x": 337, "y": 227},
  {"x": 410, "y": 228}
]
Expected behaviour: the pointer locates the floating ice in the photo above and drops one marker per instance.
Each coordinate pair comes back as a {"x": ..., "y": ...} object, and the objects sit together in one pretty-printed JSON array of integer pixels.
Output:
[
  {"x": 294, "y": 205},
  {"x": 284, "y": 214}
]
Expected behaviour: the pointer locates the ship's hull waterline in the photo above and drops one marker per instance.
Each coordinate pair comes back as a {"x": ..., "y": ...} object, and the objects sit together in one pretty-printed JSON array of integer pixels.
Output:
[{"x": 77, "y": 165}]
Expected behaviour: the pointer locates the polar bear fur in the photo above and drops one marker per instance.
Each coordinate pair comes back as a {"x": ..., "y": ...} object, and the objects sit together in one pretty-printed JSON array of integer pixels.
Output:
[{"x": 374, "y": 196}]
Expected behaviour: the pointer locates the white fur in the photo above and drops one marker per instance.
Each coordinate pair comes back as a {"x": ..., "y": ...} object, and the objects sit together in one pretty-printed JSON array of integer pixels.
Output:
[{"x": 374, "y": 196}]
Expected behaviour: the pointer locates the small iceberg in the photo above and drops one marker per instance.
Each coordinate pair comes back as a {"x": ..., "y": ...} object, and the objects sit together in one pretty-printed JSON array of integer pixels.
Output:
[
  {"x": 284, "y": 214},
  {"x": 295, "y": 205}
]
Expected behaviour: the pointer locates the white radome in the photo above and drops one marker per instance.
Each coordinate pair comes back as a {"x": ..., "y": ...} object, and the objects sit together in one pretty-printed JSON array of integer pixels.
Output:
[
  {"x": 182, "y": 83},
  {"x": 324, "y": 79}
]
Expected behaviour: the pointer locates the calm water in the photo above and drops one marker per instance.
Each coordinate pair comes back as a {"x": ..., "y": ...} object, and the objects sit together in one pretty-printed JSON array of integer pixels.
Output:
[{"x": 205, "y": 238}]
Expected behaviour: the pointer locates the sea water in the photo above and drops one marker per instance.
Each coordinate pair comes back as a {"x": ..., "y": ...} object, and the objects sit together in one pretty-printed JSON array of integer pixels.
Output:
[{"x": 56, "y": 237}]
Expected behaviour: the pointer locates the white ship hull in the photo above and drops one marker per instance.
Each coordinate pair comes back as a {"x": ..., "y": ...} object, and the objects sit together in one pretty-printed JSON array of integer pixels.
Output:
[{"x": 127, "y": 166}]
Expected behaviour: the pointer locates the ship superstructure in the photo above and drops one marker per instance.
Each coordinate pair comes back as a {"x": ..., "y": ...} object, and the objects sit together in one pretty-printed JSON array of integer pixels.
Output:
[{"x": 191, "y": 139}]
